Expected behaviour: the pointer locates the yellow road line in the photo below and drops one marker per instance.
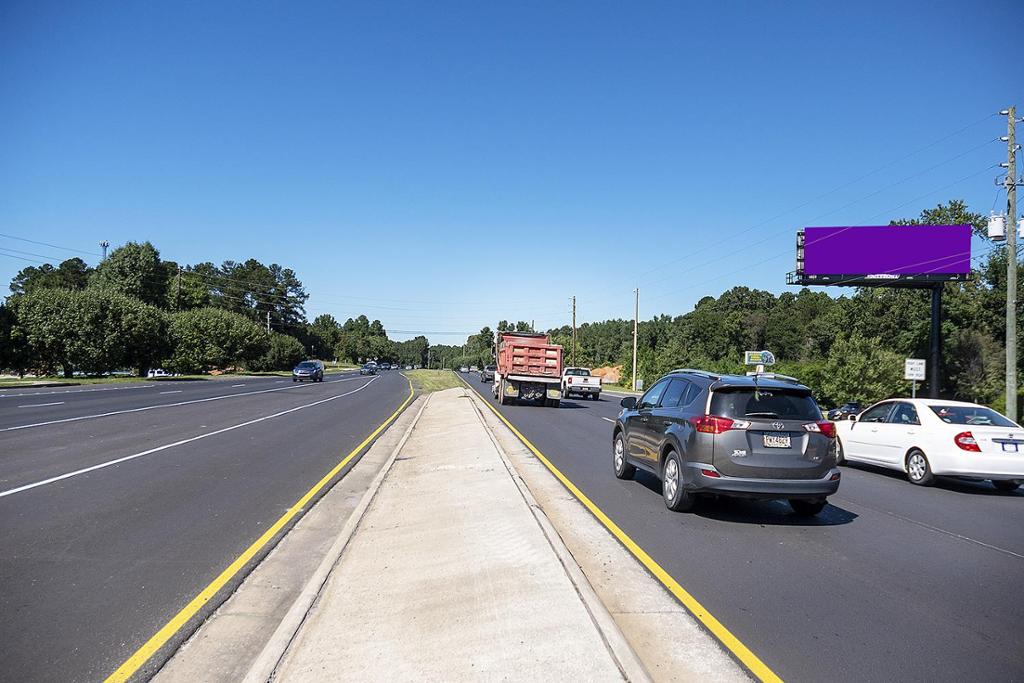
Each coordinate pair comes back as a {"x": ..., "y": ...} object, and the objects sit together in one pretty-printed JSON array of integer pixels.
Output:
[
  {"x": 724, "y": 636},
  {"x": 160, "y": 638}
]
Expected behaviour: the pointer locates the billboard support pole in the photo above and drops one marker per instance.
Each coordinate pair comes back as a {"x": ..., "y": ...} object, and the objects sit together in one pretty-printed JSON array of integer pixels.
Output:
[
  {"x": 935, "y": 356},
  {"x": 1011, "y": 265}
]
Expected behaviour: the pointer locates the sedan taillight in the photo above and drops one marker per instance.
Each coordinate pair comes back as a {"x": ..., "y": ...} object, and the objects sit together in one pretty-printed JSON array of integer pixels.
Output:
[{"x": 967, "y": 442}]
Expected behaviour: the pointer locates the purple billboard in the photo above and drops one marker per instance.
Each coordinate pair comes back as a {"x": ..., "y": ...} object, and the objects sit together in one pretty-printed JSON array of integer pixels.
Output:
[{"x": 881, "y": 252}]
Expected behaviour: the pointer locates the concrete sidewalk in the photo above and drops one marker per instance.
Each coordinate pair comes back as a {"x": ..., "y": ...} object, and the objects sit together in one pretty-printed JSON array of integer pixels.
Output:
[{"x": 450, "y": 576}]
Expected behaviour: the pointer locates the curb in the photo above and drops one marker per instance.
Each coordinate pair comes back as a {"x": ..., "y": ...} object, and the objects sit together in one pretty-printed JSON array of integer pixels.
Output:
[
  {"x": 266, "y": 663},
  {"x": 625, "y": 657}
]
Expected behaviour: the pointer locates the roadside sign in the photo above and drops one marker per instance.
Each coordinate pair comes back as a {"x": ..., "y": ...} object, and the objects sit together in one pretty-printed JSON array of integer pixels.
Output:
[
  {"x": 914, "y": 369},
  {"x": 758, "y": 358}
]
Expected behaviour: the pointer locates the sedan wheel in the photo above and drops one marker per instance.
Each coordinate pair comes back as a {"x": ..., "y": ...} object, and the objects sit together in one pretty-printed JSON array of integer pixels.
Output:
[
  {"x": 918, "y": 470},
  {"x": 840, "y": 456}
]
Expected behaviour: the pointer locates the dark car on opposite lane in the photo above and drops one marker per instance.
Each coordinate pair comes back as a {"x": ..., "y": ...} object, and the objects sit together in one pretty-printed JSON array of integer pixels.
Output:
[
  {"x": 368, "y": 369},
  {"x": 313, "y": 370},
  {"x": 745, "y": 436}
]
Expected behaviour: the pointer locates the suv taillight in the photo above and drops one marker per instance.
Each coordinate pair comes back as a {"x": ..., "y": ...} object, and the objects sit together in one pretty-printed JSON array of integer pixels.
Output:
[
  {"x": 822, "y": 427},
  {"x": 712, "y": 424},
  {"x": 967, "y": 442}
]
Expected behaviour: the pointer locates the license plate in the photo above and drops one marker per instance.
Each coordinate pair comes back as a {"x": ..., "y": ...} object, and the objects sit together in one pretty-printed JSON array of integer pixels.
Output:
[
  {"x": 776, "y": 441},
  {"x": 1009, "y": 447}
]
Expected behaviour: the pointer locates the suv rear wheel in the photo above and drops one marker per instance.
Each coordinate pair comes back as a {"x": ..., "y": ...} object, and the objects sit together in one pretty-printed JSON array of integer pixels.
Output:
[
  {"x": 676, "y": 497},
  {"x": 1006, "y": 484}
]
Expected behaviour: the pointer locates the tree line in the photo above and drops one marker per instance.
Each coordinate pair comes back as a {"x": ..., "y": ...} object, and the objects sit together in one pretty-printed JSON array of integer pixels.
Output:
[{"x": 137, "y": 311}]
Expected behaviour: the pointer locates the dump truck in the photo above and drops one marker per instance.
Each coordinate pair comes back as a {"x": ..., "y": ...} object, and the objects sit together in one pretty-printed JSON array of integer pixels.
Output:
[{"x": 529, "y": 368}]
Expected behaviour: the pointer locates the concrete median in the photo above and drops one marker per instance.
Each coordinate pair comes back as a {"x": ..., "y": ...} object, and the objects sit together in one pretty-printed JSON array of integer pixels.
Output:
[{"x": 451, "y": 575}]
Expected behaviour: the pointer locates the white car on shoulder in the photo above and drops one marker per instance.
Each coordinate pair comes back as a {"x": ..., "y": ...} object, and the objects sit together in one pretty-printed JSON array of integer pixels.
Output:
[{"x": 928, "y": 438}]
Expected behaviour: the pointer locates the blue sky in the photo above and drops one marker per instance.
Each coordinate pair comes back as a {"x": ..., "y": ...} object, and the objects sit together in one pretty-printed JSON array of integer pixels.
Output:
[{"x": 441, "y": 166}]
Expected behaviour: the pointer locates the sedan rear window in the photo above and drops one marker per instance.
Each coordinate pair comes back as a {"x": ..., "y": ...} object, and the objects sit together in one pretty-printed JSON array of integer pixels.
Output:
[
  {"x": 772, "y": 403},
  {"x": 971, "y": 415}
]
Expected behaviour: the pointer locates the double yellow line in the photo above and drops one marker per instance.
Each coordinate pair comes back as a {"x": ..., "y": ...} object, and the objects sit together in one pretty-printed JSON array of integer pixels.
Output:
[
  {"x": 740, "y": 651},
  {"x": 160, "y": 638}
]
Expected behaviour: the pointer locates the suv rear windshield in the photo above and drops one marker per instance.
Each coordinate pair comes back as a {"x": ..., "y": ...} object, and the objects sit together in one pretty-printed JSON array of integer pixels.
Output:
[
  {"x": 773, "y": 403},
  {"x": 971, "y": 415},
  {"x": 491, "y": 367},
  {"x": 580, "y": 372}
]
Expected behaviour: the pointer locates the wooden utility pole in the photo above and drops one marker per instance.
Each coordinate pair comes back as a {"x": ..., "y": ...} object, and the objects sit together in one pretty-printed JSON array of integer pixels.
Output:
[
  {"x": 1011, "y": 263},
  {"x": 636, "y": 322},
  {"x": 177, "y": 293},
  {"x": 574, "y": 331}
]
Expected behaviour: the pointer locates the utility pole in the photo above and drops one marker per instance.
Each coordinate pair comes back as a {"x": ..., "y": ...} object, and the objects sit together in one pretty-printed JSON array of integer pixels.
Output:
[
  {"x": 428, "y": 358},
  {"x": 1011, "y": 262},
  {"x": 636, "y": 322},
  {"x": 574, "y": 330},
  {"x": 177, "y": 293},
  {"x": 268, "y": 322},
  {"x": 103, "y": 245}
]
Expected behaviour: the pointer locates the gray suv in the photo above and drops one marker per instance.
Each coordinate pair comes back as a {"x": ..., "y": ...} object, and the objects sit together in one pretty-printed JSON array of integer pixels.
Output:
[{"x": 747, "y": 436}]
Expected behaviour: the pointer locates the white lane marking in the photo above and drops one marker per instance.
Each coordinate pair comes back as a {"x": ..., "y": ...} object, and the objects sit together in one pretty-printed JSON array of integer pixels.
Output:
[
  {"x": 237, "y": 385},
  {"x": 607, "y": 418},
  {"x": 176, "y": 391},
  {"x": 126, "y": 458},
  {"x": 936, "y": 529},
  {"x": 164, "y": 405},
  {"x": 73, "y": 391},
  {"x": 278, "y": 381},
  {"x": 40, "y": 405}
]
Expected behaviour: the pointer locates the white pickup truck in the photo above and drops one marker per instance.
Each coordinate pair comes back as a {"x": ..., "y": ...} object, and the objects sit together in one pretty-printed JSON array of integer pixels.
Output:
[{"x": 580, "y": 381}]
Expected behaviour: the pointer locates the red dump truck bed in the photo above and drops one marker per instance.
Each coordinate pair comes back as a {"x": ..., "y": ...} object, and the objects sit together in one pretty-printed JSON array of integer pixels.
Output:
[{"x": 529, "y": 355}]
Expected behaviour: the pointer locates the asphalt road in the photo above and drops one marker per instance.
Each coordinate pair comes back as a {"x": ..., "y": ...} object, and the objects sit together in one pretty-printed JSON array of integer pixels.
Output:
[
  {"x": 174, "y": 488},
  {"x": 890, "y": 582}
]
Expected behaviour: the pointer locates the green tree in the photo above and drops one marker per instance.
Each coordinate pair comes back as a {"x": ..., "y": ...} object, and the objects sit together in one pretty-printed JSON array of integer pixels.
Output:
[
  {"x": 135, "y": 270},
  {"x": 70, "y": 274},
  {"x": 284, "y": 352},
  {"x": 209, "y": 338},
  {"x": 864, "y": 369},
  {"x": 93, "y": 330}
]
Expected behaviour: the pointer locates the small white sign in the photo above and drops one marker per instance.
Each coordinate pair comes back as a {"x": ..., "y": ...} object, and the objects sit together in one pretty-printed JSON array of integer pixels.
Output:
[{"x": 914, "y": 369}]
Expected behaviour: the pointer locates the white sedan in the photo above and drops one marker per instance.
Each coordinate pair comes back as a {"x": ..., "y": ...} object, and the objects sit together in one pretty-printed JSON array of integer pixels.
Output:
[{"x": 926, "y": 438}]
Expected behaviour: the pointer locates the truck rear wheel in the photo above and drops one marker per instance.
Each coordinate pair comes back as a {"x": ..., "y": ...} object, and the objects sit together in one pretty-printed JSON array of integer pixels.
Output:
[{"x": 501, "y": 393}]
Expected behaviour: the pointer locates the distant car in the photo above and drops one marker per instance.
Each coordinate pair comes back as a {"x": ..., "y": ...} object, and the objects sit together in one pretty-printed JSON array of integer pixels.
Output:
[
  {"x": 580, "y": 381},
  {"x": 368, "y": 369},
  {"x": 473, "y": 368},
  {"x": 487, "y": 374},
  {"x": 844, "y": 411},
  {"x": 312, "y": 370},
  {"x": 384, "y": 366},
  {"x": 408, "y": 367},
  {"x": 733, "y": 435},
  {"x": 927, "y": 438},
  {"x": 464, "y": 369},
  {"x": 159, "y": 372}
]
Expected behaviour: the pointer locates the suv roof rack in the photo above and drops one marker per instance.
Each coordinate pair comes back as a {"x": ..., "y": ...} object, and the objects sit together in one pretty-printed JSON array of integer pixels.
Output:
[
  {"x": 772, "y": 375},
  {"x": 702, "y": 373}
]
